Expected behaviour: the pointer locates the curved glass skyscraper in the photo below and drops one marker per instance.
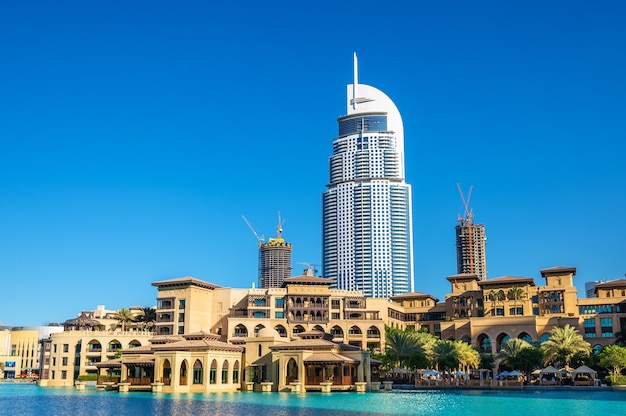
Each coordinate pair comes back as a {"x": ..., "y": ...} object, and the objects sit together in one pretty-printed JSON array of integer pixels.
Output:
[{"x": 367, "y": 220}]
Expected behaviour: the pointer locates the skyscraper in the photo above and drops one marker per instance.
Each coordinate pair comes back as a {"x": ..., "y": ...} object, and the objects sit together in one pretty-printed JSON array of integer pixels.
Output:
[
  {"x": 471, "y": 253},
  {"x": 367, "y": 221},
  {"x": 274, "y": 260}
]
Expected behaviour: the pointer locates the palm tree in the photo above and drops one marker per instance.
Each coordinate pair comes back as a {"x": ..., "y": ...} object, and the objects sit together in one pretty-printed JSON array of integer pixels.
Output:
[
  {"x": 124, "y": 316},
  {"x": 147, "y": 317},
  {"x": 494, "y": 296},
  {"x": 446, "y": 355},
  {"x": 515, "y": 293},
  {"x": 468, "y": 356},
  {"x": 512, "y": 347},
  {"x": 563, "y": 344},
  {"x": 400, "y": 345}
]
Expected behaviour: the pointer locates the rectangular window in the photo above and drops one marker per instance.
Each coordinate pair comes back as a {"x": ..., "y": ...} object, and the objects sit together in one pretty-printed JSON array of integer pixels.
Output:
[
  {"x": 54, "y": 374},
  {"x": 590, "y": 323},
  {"x": 279, "y": 315},
  {"x": 259, "y": 302},
  {"x": 54, "y": 361},
  {"x": 181, "y": 317},
  {"x": 334, "y": 315},
  {"x": 64, "y": 375},
  {"x": 279, "y": 303},
  {"x": 64, "y": 361},
  {"x": 181, "y": 330},
  {"x": 536, "y": 311},
  {"x": 335, "y": 304},
  {"x": 499, "y": 311},
  {"x": 54, "y": 348},
  {"x": 181, "y": 304},
  {"x": 66, "y": 347}
]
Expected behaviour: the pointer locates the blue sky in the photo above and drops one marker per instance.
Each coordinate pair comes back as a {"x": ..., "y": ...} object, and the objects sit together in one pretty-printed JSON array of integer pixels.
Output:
[{"x": 135, "y": 134}]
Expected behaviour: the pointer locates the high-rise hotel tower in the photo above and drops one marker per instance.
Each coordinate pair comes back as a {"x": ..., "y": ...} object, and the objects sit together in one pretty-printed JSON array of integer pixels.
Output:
[{"x": 367, "y": 221}]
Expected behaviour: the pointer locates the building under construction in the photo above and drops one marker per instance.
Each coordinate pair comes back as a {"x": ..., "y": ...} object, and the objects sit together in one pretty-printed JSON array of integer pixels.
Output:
[
  {"x": 274, "y": 257},
  {"x": 471, "y": 242},
  {"x": 274, "y": 262}
]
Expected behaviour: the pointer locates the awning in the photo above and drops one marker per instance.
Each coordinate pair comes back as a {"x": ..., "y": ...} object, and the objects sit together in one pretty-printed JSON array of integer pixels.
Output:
[{"x": 328, "y": 358}]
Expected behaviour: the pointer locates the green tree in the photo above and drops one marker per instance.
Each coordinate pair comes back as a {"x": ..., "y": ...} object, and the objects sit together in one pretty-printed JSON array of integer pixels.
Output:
[
  {"x": 147, "y": 318},
  {"x": 526, "y": 360},
  {"x": 400, "y": 345},
  {"x": 487, "y": 361},
  {"x": 446, "y": 355},
  {"x": 563, "y": 344},
  {"x": 512, "y": 347},
  {"x": 468, "y": 356},
  {"x": 124, "y": 316},
  {"x": 495, "y": 296},
  {"x": 515, "y": 294},
  {"x": 613, "y": 356}
]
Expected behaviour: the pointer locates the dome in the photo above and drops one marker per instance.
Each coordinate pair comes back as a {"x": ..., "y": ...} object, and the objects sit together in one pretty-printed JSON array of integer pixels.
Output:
[{"x": 268, "y": 333}]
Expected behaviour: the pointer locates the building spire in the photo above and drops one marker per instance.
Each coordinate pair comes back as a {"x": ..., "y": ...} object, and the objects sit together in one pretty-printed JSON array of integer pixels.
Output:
[{"x": 356, "y": 80}]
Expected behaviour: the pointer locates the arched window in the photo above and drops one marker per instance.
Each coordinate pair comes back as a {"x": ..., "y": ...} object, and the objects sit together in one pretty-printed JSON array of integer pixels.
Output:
[
  {"x": 373, "y": 332},
  {"x": 225, "y": 372},
  {"x": 257, "y": 329},
  {"x": 213, "y": 372},
  {"x": 114, "y": 346},
  {"x": 94, "y": 346},
  {"x": 318, "y": 328},
  {"x": 466, "y": 339},
  {"x": 236, "y": 372},
  {"x": 336, "y": 331},
  {"x": 298, "y": 329},
  {"x": 484, "y": 343},
  {"x": 544, "y": 338},
  {"x": 183, "y": 373},
  {"x": 197, "y": 372},
  {"x": 166, "y": 372},
  {"x": 240, "y": 331},
  {"x": 524, "y": 336},
  {"x": 355, "y": 330},
  {"x": 502, "y": 339},
  {"x": 134, "y": 344},
  {"x": 281, "y": 330}
]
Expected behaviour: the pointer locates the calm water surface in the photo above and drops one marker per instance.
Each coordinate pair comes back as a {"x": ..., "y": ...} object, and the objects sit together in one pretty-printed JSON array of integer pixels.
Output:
[{"x": 21, "y": 400}]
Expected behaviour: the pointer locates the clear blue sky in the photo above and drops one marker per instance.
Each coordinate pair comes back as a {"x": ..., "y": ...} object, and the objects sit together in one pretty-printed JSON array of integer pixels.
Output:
[{"x": 134, "y": 134}]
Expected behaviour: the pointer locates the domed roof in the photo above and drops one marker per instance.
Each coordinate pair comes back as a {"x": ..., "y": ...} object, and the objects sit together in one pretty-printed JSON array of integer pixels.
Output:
[{"x": 268, "y": 333}]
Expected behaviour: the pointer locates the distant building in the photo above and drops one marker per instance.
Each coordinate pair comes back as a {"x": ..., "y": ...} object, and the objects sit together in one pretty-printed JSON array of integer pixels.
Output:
[
  {"x": 471, "y": 253},
  {"x": 367, "y": 215},
  {"x": 590, "y": 288},
  {"x": 20, "y": 349},
  {"x": 274, "y": 262}
]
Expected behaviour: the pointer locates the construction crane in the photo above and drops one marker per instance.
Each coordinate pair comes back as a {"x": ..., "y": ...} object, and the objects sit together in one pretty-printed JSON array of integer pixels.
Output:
[
  {"x": 310, "y": 266},
  {"x": 279, "y": 228},
  {"x": 259, "y": 238},
  {"x": 467, "y": 221}
]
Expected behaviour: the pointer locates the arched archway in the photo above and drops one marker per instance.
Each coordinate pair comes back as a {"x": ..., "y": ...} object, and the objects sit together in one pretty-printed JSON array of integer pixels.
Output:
[
  {"x": 225, "y": 372},
  {"x": 236, "y": 372},
  {"x": 291, "y": 373},
  {"x": 240, "y": 331},
  {"x": 318, "y": 328},
  {"x": 373, "y": 332},
  {"x": 281, "y": 331},
  {"x": 298, "y": 329},
  {"x": 336, "y": 331},
  {"x": 197, "y": 373},
  {"x": 484, "y": 344},
  {"x": 114, "y": 346},
  {"x": 355, "y": 330},
  {"x": 94, "y": 346},
  {"x": 166, "y": 372},
  {"x": 501, "y": 340},
  {"x": 134, "y": 344},
  {"x": 258, "y": 328},
  {"x": 183, "y": 373},
  {"x": 525, "y": 337},
  {"x": 213, "y": 372}
]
